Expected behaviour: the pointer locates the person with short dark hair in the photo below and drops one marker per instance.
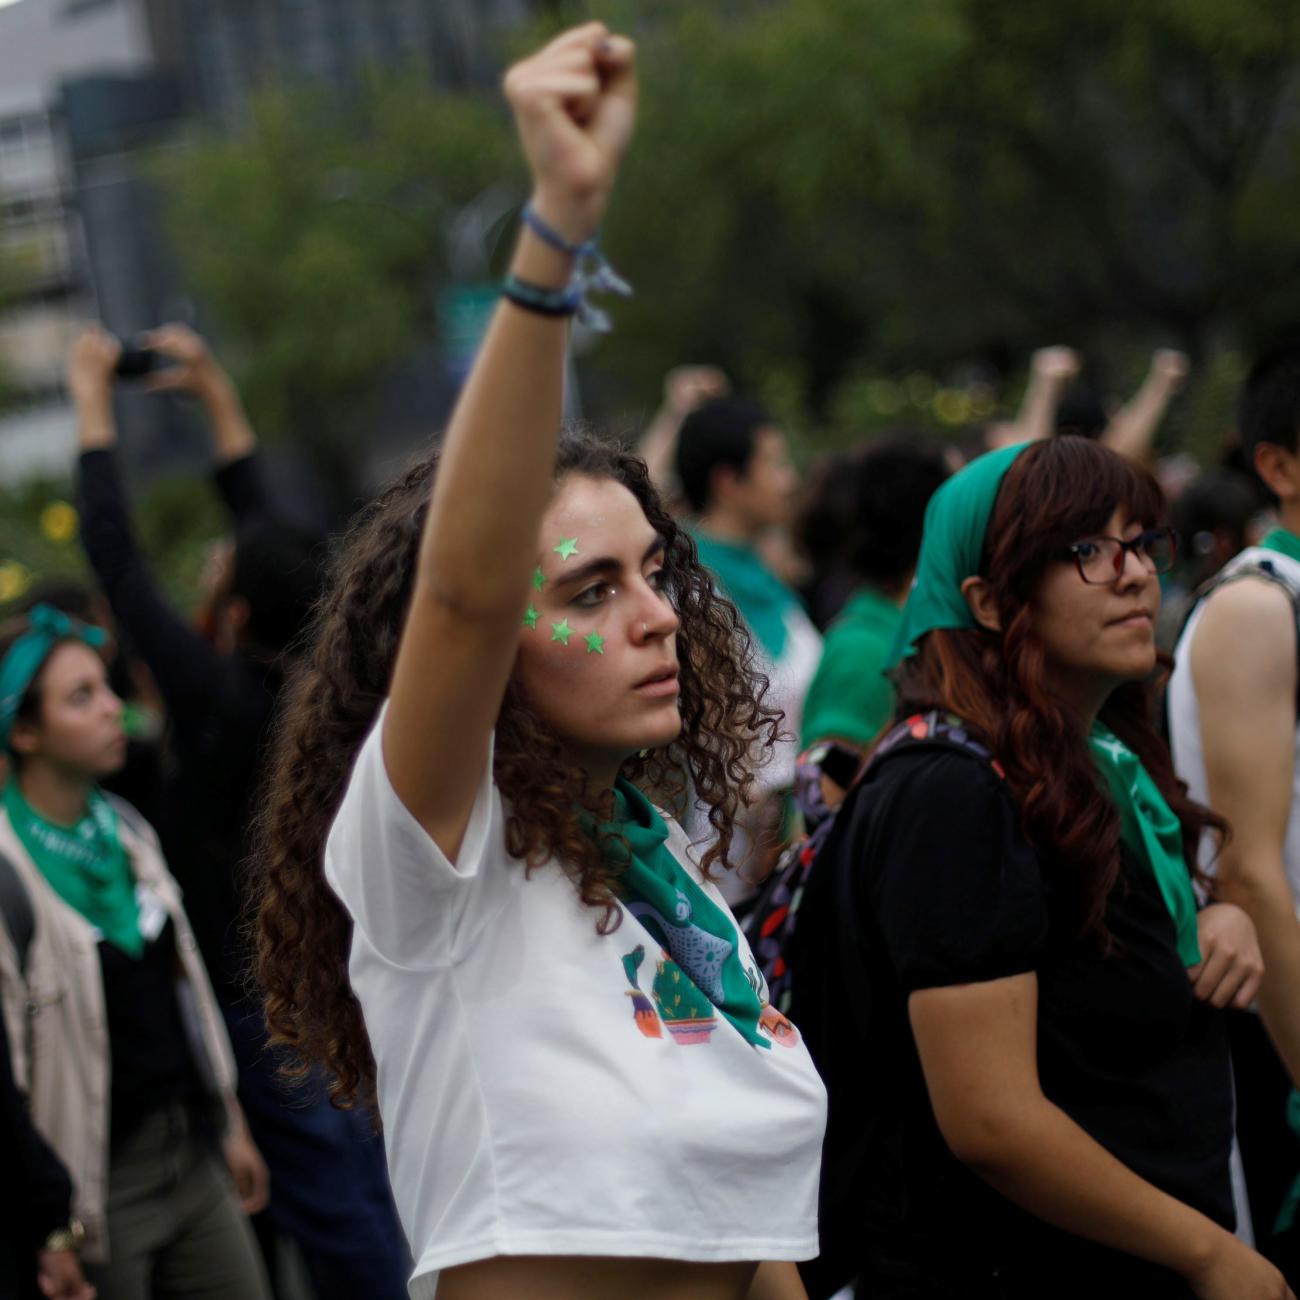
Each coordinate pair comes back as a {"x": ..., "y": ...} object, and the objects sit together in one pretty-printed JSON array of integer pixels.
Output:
[
  {"x": 734, "y": 467},
  {"x": 1233, "y": 728},
  {"x": 221, "y": 683},
  {"x": 890, "y": 484}
]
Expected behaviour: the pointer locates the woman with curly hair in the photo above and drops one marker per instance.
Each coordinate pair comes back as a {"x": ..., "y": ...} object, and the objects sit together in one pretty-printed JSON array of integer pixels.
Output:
[
  {"x": 467, "y": 906},
  {"x": 1005, "y": 907}
]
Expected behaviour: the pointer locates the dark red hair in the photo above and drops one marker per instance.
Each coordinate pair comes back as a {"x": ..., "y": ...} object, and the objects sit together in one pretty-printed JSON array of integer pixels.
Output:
[{"x": 1054, "y": 493}]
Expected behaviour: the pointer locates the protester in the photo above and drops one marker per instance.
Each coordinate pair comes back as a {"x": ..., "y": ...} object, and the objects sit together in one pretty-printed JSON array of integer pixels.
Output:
[
  {"x": 1232, "y": 723},
  {"x": 36, "y": 1225},
  {"x": 116, "y": 1034},
  {"x": 685, "y": 388},
  {"x": 221, "y": 685},
  {"x": 583, "y": 1090},
  {"x": 850, "y": 699},
  {"x": 1005, "y": 978},
  {"x": 1215, "y": 518},
  {"x": 735, "y": 471},
  {"x": 1051, "y": 372}
]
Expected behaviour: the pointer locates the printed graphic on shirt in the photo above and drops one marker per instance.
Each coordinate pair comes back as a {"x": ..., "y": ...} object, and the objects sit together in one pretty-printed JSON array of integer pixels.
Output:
[
  {"x": 694, "y": 949},
  {"x": 643, "y": 1012}
]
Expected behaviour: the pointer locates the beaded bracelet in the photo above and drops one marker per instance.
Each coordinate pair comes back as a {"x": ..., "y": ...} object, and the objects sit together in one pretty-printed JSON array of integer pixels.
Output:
[{"x": 592, "y": 273}]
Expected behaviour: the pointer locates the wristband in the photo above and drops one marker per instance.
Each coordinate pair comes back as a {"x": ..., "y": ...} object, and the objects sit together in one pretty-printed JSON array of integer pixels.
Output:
[
  {"x": 533, "y": 297},
  {"x": 591, "y": 273}
]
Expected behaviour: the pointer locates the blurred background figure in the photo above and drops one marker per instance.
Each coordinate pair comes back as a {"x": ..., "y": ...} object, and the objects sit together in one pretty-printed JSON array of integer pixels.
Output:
[
  {"x": 220, "y": 683},
  {"x": 1216, "y": 516},
  {"x": 734, "y": 467},
  {"x": 890, "y": 483},
  {"x": 685, "y": 388}
]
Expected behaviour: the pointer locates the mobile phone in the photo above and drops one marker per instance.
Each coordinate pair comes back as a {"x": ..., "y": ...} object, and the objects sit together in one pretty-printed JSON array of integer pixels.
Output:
[{"x": 136, "y": 362}]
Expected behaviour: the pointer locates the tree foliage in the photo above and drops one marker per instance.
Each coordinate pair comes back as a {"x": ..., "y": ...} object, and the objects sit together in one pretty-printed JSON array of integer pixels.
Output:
[{"x": 822, "y": 194}]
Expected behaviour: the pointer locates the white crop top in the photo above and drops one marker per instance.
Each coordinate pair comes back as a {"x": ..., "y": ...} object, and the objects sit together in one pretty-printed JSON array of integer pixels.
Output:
[{"x": 538, "y": 1095}]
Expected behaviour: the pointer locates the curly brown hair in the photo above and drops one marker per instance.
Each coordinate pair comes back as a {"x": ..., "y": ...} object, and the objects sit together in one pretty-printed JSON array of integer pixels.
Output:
[
  {"x": 1054, "y": 493},
  {"x": 301, "y": 930}
]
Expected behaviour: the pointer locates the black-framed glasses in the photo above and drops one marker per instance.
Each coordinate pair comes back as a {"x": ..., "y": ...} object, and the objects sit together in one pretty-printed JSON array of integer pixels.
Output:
[{"x": 1100, "y": 560}]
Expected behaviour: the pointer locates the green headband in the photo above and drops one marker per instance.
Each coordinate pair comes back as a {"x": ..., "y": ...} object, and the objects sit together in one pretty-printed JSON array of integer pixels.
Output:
[
  {"x": 956, "y": 521},
  {"x": 28, "y": 654}
]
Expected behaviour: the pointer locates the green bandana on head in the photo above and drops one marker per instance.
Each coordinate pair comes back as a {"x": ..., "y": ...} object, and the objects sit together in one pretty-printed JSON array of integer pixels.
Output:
[
  {"x": 696, "y": 933},
  {"x": 956, "y": 521}
]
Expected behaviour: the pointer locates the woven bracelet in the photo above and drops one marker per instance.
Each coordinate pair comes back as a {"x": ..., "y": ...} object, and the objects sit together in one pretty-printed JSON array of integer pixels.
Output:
[{"x": 591, "y": 272}]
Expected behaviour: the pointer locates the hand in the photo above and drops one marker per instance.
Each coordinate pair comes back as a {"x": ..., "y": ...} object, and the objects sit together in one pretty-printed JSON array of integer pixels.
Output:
[
  {"x": 247, "y": 1168},
  {"x": 1170, "y": 366},
  {"x": 574, "y": 103},
  {"x": 58, "y": 1274},
  {"x": 1231, "y": 965},
  {"x": 1058, "y": 364},
  {"x": 90, "y": 366},
  {"x": 1235, "y": 1272},
  {"x": 193, "y": 370},
  {"x": 686, "y": 387}
]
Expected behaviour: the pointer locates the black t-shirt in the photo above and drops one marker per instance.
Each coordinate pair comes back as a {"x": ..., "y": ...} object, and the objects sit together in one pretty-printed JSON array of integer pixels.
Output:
[
  {"x": 928, "y": 881},
  {"x": 152, "y": 1063}
]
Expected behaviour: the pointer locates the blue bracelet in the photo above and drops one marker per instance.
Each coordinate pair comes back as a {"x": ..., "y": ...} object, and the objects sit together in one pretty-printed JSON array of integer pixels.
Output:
[
  {"x": 591, "y": 272},
  {"x": 535, "y": 298}
]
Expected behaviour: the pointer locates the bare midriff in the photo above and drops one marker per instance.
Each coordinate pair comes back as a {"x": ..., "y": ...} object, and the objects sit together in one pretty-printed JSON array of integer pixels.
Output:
[{"x": 569, "y": 1277}]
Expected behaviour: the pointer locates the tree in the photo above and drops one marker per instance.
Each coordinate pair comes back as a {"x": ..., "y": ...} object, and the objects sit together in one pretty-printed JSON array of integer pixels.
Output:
[{"x": 316, "y": 237}]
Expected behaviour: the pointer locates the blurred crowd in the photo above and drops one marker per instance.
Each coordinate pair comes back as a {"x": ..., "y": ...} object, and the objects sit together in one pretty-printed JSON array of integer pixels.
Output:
[{"x": 929, "y": 664}]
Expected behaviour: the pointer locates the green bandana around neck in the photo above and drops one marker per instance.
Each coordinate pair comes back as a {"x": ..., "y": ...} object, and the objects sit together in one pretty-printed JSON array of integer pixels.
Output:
[
  {"x": 952, "y": 543},
  {"x": 762, "y": 598},
  {"x": 1283, "y": 542},
  {"x": 1151, "y": 830},
  {"x": 85, "y": 864},
  {"x": 695, "y": 932}
]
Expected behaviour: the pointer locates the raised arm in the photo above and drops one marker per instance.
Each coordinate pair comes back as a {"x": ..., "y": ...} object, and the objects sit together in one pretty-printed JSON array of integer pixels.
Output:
[
  {"x": 185, "y": 667},
  {"x": 978, "y": 1049},
  {"x": 193, "y": 369},
  {"x": 1132, "y": 429},
  {"x": 574, "y": 104},
  {"x": 1051, "y": 371}
]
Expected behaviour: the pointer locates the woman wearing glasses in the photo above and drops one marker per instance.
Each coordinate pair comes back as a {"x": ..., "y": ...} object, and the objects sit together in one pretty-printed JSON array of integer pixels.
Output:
[{"x": 1010, "y": 891}]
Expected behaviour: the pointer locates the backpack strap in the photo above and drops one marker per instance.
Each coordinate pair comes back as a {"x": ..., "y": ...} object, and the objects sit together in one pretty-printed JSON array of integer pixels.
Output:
[
  {"x": 1269, "y": 572},
  {"x": 17, "y": 911}
]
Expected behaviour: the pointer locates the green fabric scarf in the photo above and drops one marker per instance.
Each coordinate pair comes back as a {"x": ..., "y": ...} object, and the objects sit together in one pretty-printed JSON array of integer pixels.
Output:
[
  {"x": 1283, "y": 542},
  {"x": 956, "y": 521},
  {"x": 85, "y": 865},
  {"x": 762, "y": 598},
  {"x": 697, "y": 934},
  {"x": 1151, "y": 830}
]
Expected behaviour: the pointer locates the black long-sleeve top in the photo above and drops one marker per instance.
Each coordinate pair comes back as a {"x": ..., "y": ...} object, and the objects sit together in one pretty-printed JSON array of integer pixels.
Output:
[
  {"x": 35, "y": 1191},
  {"x": 219, "y": 708}
]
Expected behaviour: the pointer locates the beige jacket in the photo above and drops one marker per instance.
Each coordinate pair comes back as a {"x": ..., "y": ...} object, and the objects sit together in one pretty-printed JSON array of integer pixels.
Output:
[{"x": 58, "y": 1033}]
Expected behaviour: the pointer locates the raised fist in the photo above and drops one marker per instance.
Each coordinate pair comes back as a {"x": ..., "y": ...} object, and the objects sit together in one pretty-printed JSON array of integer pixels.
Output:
[
  {"x": 1058, "y": 364},
  {"x": 574, "y": 103},
  {"x": 1171, "y": 365}
]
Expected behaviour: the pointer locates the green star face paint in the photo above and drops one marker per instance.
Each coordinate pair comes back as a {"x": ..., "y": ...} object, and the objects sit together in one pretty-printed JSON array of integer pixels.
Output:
[
  {"x": 530, "y": 617},
  {"x": 595, "y": 643},
  {"x": 561, "y": 631},
  {"x": 567, "y": 548},
  {"x": 539, "y": 579}
]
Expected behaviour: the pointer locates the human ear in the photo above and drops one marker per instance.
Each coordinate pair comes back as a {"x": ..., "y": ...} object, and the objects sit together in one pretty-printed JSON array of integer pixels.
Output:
[
  {"x": 1279, "y": 468},
  {"x": 979, "y": 600},
  {"x": 24, "y": 738}
]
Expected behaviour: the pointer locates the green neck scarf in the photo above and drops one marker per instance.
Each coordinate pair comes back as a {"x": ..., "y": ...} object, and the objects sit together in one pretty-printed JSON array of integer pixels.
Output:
[
  {"x": 84, "y": 864},
  {"x": 953, "y": 541},
  {"x": 1151, "y": 830},
  {"x": 1283, "y": 542},
  {"x": 762, "y": 598},
  {"x": 695, "y": 932}
]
